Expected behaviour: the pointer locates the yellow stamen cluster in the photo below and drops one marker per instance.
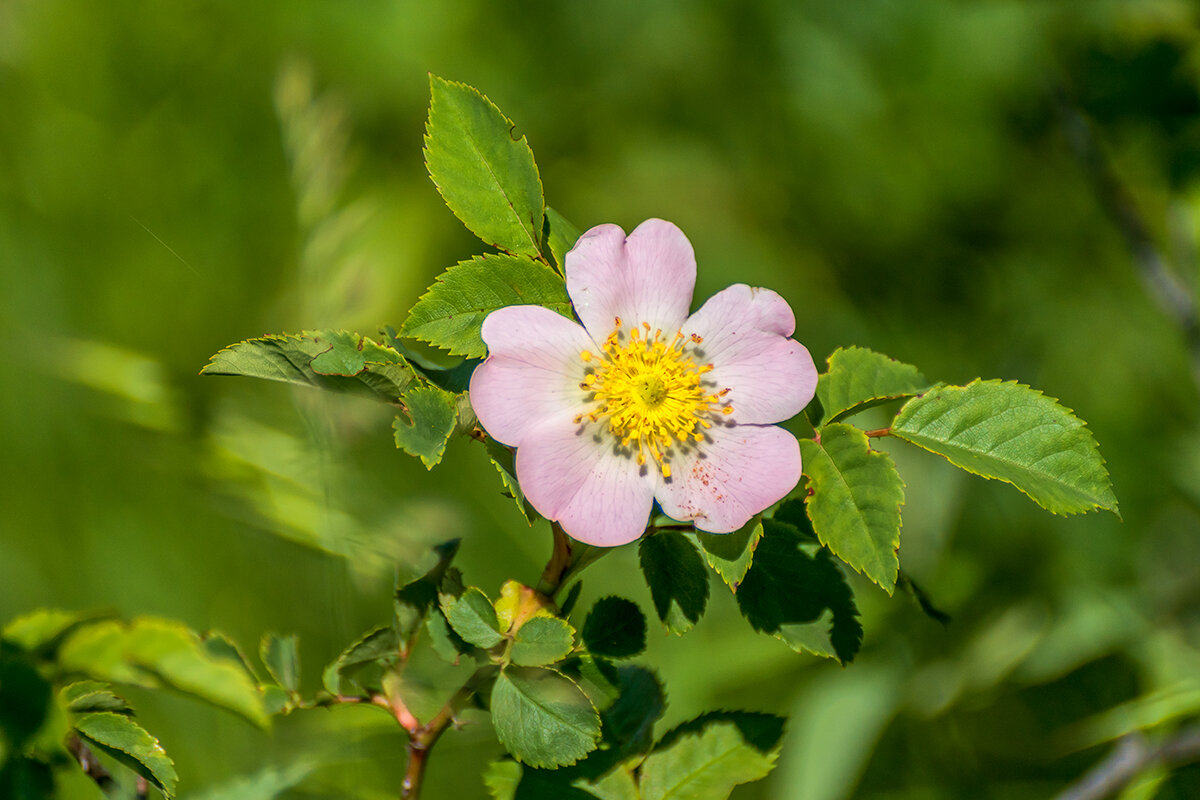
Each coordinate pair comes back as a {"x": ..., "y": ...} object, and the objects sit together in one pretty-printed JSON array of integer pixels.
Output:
[{"x": 650, "y": 392}]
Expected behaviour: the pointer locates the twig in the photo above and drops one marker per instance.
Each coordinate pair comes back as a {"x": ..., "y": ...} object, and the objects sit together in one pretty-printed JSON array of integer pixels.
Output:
[
  {"x": 422, "y": 740},
  {"x": 1162, "y": 282},
  {"x": 1132, "y": 756}
]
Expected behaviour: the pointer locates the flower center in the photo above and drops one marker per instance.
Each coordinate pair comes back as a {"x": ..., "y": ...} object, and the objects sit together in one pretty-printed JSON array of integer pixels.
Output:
[{"x": 650, "y": 393}]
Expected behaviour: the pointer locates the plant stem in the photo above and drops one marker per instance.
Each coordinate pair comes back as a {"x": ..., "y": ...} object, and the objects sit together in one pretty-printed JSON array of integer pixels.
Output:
[{"x": 422, "y": 740}]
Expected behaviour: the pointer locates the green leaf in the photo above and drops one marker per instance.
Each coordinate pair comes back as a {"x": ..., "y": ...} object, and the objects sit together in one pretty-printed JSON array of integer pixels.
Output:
[
  {"x": 486, "y": 176},
  {"x": 629, "y": 720},
  {"x": 335, "y": 360},
  {"x": 154, "y": 652},
  {"x": 705, "y": 759},
  {"x": 413, "y": 599},
  {"x": 281, "y": 656},
  {"x": 855, "y": 501},
  {"x": 730, "y": 554},
  {"x": 45, "y": 627},
  {"x": 542, "y": 640},
  {"x": 1009, "y": 432},
  {"x": 221, "y": 646},
  {"x": 677, "y": 578},
  {"x": 473, "y": 617},
  {"x": 433, "y": 414},
  {"x": 795, "y": 592},
  {"x": 615, "y": 628},
  {"x": 503, "y": 460},
  {"x": 377, "y": 646},
  {"x": 448, "y": 645},
  {"x": 84, "y": 696},
  {"x": 542, "y": 718},
  {"x": 127, "y": 742},
  {"x": 450, "y": 314},
  {"x": 859, "y": 378},
  {"x": 501, "y": 779},
  {"x": 561, "y": 236}
]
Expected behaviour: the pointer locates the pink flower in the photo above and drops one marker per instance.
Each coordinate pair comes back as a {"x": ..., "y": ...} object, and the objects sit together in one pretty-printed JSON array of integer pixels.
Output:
[{"x": 643, "y": 402}]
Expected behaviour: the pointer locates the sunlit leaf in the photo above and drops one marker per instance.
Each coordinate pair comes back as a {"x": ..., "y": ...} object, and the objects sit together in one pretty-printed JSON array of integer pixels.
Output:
[
  {"x": 855, "y": 502},
  {"x": 154, "y": 652},
  {"x": 335, "y": 360},
  {"x": 473, "y": 617},
  {"x": 450, "y": 313},
  {"x": 1015, "y": 434},
  {"x": 84, "y": 696},
  {"x": 542, "y": 640},
  {"x": 281, "y": 656},
  {"x": 44, "y": 628},
  {"x": 542, "y": 718},
  {"x": 730, "y": 554},
  {"x": 431, "y": 418},
  {"x": 704, "y": 759},
  {"x": 486, "y": 176},
  {"x": 126, "y": 741},
  {"x": 859, "y": 378},
  {"x": 677, "y": 578}
]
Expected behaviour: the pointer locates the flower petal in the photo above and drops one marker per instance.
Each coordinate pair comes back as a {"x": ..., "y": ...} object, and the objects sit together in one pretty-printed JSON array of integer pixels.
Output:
[
  {"x": 744, "y": 330},
  {"x": 648, "y": 276},
  {"x": 739, "y": 472},
  {"x": 597, "y": 496},
  {"x": 532, "y": 373}
]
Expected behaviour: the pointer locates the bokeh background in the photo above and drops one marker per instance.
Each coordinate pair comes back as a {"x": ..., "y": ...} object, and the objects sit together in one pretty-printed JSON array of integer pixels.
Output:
[{"x": 936, "y": 180}]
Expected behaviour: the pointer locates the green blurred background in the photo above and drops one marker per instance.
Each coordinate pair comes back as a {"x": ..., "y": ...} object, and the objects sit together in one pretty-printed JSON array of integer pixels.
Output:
[{"x": 178, "y": 176}]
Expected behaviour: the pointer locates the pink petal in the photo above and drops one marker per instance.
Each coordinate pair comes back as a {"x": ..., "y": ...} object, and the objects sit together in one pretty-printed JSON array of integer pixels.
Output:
[
  {"x": 648, "y": 276},
  {"x": 598, "y": 497},
  {"x": 744, "y": 330},
  {"x": 532, "y": 373},
  {"x": 740, "y": 471}
]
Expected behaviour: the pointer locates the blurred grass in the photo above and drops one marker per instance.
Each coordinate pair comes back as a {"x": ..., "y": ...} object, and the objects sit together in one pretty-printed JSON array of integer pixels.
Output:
[{"x": 176, "y": 177}]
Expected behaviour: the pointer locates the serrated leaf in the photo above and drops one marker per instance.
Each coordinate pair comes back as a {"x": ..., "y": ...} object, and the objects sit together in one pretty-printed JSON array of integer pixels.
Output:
[
  {"x": 449, "y": 315},
  {"x": 432, "y": 414},
  {"x": 730, "y": 554},
  {"x": 615, "y": 628},
  {"x": 1012, "y": 433},
  {"x": 473, "y": 617},
  {"x": 795, "y": 592},
  {"x": 414, "y": 599},
  {"x": 855, "y": 501},
  {"x": 705, "y": 759},
  {"x": 153, "y": 652},
  {"x": 126, "y": 741},
  {"x": 487, "y": 177},
  {"x": 859, "y": 378},
  {"x": 560, "y": 236},
  {"x": 542, "y": 718},
  {"x": 677, "y": 579},
  {"x": 281, "y": 656},
  {"x": 334, "y": 360},
  {"x": 219, "y": 645},
  {"x": 84, "y": 696},
  {"x": 378, "y": 645},
  {"x": 542, "y": 640},
  {"x": 519, "y": 603},
  {"x": 503, "y": 460}
]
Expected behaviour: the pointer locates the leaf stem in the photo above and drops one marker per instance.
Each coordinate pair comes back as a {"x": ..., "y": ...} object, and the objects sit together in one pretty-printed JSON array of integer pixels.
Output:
[
  {"x": 878, "y": 432},
  {"x": 567, "y": 559}
]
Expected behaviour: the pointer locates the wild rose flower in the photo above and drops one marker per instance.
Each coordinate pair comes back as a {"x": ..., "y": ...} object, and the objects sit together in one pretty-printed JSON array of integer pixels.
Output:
[{"x": 643, "y": 402}]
